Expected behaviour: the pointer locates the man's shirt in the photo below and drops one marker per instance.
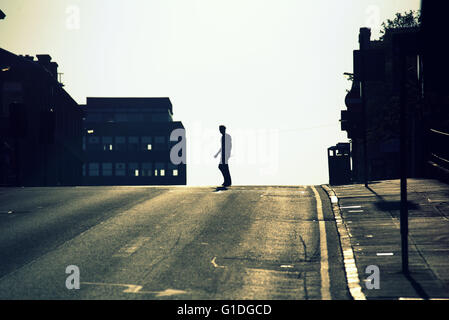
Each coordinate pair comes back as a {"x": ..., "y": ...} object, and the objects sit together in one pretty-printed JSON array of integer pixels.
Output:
[{"x": 226, "y": 146}]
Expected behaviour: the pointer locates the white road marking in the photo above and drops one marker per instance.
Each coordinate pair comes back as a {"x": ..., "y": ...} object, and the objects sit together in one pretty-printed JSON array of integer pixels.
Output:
[
  {"x": 438, "y": 200},
  {"x": 133, "y": 288},
  {"x": 350, "y": 207},
  {"x": 384, "y": 254},
  {"x": 405, "y": 298},
  {"x": 215, "y": 264},
  {"x": 130, "y": 288},
  {"x": 352, "y": 276},
  {"x": 355, "y": 211},
  {"x": 169, "y": 292},
  {"x": 132, "y": 247},
  {"x": 325, "y": 283}
]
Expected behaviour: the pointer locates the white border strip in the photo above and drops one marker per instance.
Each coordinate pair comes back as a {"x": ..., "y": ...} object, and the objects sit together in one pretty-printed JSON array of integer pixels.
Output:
[{"x": 352, "y": 275}]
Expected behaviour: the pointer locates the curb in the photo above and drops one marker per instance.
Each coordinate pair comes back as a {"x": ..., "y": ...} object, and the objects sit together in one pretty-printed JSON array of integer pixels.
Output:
[{"x": 351, "y": 272}]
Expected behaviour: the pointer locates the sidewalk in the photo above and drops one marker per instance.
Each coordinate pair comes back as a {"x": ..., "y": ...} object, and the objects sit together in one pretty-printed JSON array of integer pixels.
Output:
[{"x": 369, "y": 228}]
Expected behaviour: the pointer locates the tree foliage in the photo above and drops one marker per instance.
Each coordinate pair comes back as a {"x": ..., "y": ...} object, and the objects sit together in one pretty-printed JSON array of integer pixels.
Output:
[{"x": 410, "y": 18}]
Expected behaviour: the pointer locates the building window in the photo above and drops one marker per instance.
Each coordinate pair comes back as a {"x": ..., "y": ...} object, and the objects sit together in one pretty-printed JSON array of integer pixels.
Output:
[
  {"x": 173, "y": 169},
  {"x": 84, "y": 169},
  {"x": 108, "y": 117},
  {"x": 84, "y": 143},
  {"x": 120, "y": 143},
  {"x": 93, "y": 143},
  {"x": 93, "y": 140},
  {"x": 94, "y": 169},
  {"x": 121, "y": 117},
  {"x": 94, "y": 117},
  {"x": 159, "y": 169},
  {"x": 106, "y": 143},
  {"x": 159, "y": 143},
  {"x": 133, "y": 169},
  {"x": 106, "y": 168},
  {"x": 120, "y": 169},
  {"x": 133, "y": 143},
  {"x": 135, "y": 117},
  {"x": 146, "y": 169},
  {"x": 146, "y": 144}
]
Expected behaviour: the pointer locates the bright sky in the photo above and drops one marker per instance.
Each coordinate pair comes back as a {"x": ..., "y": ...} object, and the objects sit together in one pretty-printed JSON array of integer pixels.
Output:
[{"x": 271, "y": 71}]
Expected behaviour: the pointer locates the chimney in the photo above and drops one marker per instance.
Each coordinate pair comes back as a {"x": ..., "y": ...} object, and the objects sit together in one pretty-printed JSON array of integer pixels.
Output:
[
  {"x": 28, "y": 57},
  {"x": 51, "y": 66},
  {"x": 364, "y": 38}
]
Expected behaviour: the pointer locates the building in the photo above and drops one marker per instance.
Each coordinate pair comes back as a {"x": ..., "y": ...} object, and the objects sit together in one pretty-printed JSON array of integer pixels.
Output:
[
  {"x": 434, "y": 82},
  {"x": 379, "y": 117},
  {"x": 126, "y": 141},
  {"x": 40, "y": 124}
]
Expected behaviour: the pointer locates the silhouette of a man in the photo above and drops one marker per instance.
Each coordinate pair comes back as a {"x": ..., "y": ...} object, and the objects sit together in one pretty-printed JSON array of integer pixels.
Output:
[{"x": 225, "y": 150}]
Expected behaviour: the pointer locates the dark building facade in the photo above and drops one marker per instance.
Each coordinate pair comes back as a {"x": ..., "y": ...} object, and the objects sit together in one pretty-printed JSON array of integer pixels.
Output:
[
  {"x": 40, "y": 124},
  {"x": 434, "y": 83},
  {"x": 126, "y": 141},
  {"x": 413, "y": 61},
  {"x": 378, "y": 116}
]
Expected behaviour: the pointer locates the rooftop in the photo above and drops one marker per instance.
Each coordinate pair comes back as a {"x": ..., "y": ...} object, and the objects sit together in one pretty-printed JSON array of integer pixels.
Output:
[{"x": 129, "y": 102}]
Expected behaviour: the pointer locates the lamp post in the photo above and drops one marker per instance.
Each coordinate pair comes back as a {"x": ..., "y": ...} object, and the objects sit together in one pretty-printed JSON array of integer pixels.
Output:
[{"x": 404, "y": 45}]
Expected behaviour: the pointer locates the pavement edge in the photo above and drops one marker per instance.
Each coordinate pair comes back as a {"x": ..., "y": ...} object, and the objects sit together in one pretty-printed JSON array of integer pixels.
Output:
[{"x": 351, "y": 272}]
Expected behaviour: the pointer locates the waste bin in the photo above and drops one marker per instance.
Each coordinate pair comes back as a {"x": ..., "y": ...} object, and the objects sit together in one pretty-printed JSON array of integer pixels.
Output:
[{"x": 339, "y": 160}]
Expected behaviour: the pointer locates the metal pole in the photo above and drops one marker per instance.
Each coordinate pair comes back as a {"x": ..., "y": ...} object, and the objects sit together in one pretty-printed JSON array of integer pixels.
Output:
[
  {"x": 365, "y": 144},
  {"x": 403, "y": 165},
  {"x": 364, "y": 125}
]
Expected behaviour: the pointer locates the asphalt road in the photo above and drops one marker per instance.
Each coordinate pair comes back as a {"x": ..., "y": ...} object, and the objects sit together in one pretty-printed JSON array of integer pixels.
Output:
[{"x": 248, "y": 242}]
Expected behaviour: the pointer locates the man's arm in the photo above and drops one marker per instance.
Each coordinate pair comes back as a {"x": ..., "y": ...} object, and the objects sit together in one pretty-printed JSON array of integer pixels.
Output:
[{"x": 216, "y": 155}]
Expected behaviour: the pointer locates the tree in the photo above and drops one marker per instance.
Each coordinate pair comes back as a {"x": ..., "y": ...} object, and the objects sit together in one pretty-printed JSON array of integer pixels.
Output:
[{"x": 401, "y": 20}]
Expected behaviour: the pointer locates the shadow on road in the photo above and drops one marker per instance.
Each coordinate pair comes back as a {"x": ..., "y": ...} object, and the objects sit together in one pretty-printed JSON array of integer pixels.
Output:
[
  {"x": 217, "y": 189},
  {"x": 385, "y": 205}
]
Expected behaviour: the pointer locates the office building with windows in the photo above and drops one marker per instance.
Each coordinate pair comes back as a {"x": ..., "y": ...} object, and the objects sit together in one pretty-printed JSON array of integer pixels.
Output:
[{"x": 126, "y": 141}]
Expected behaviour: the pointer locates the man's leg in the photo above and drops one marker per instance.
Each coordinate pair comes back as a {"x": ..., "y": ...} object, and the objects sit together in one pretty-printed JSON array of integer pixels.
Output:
[
  {"x": 222, "y": 169},
  {"x": 227, "y": 175}
]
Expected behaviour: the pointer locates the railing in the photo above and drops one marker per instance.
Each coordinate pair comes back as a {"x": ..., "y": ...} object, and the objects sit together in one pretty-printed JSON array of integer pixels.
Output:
[{"x": 439, "y": 148}]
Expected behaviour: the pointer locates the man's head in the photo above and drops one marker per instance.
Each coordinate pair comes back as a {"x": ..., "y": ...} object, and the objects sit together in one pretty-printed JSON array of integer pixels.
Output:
[{"x": 222, "y": 129}]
